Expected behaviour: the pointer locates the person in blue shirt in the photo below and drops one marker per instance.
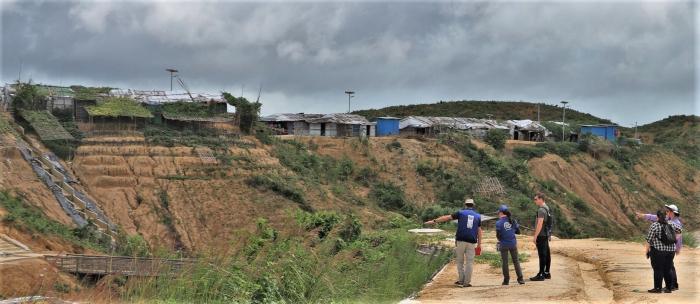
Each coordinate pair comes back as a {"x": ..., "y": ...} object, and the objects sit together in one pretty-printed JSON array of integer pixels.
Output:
[
  {"x": 506, "y": 229},
  {"x": 467, "y": 239}
]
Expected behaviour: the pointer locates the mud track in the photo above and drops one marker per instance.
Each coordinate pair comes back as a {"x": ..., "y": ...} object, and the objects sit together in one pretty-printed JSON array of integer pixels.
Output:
[{"x": 583, "y": 271}]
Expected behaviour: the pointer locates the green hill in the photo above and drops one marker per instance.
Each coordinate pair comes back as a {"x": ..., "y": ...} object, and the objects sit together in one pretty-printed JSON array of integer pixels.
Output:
[{"x": 482, "y": 109}]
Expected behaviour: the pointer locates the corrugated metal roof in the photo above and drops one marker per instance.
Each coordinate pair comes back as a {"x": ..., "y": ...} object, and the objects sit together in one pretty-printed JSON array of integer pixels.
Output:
[
  {"x": 280, "y": 117},
  {"x": 341, "y": 118},
  {"x": 526, "y": 124}
]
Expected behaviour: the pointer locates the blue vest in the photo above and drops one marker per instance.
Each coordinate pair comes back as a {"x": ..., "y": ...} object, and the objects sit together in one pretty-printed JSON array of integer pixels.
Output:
[
  {"x": 506, "y": 233},
  {"x": 468, "y": 223}
]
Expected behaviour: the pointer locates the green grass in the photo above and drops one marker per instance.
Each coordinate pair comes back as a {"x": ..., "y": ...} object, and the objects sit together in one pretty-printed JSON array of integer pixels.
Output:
[
  {"x": 30, "y": 219},
  {"x": 280, "y": 186},
  {"x": 377, "y": 267},
  {"x": 119, "y": 106}
]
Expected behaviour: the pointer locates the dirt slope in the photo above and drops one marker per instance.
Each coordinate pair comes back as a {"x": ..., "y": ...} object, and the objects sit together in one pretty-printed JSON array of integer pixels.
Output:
[
  {"x": 615, "y": 194},
  {"x": 583, "y": 271}
]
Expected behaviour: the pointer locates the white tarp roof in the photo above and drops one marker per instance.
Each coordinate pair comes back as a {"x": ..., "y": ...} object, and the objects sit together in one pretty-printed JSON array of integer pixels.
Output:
[
  {"x": 280, "y": 117},
  {"x": 461, "y": 123},
  {"x": 157, "y": 97}
]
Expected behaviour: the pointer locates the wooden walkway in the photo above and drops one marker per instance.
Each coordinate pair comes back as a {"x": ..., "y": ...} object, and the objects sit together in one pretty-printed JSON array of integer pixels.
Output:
[{"x": 128, "y": 266}]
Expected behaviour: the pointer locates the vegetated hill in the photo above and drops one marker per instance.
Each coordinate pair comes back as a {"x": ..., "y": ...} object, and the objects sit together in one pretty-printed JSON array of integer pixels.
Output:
[
  {"x": 340, "y": 206},
  {"x": 672, "y": 129},
  {"x": 678, "y": 134},
  {"x": 481, "y": 109}
]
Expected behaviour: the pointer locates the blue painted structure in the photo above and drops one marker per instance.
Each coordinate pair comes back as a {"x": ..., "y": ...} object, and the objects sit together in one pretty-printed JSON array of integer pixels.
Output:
[
  {"x": 608, "y": 132},
  {"x": 387, "y": 126}
]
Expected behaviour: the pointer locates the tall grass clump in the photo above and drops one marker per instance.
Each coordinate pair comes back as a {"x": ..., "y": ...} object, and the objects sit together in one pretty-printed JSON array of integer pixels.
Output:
[{"x": 377, "y": 267}]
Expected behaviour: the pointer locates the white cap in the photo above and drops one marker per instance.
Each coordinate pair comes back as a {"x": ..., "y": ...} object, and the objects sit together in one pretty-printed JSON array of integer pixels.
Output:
[
  {"x": 469, "y": 201},
  {"x": 673, "y": 208}
]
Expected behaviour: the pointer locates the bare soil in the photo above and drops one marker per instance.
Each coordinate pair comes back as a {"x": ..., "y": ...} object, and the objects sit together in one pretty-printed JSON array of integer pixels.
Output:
[{"x": 583, "y": 271}]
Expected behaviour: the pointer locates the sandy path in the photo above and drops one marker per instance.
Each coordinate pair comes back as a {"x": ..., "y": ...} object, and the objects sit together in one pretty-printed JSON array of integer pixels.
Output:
[{"x": 583, "y": 271}]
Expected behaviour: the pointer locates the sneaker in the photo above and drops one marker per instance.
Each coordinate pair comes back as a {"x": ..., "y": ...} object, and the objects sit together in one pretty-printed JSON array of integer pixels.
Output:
[
  {"x": 538, "y": 277},
  {"x": 465, "y": 285},
  {"x": 459, "y": 283},
  {"x": 654, "y": 290},
  {"x": 675, "y": 287},
  {"x": 666, "y": 290},
  {"x": 505, "y": 282},
  {"x": 521, "y": 281},
  {"x": 547, "y": 275}
]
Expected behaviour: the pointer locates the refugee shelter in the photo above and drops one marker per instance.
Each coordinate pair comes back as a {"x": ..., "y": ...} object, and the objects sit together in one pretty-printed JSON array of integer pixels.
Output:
[
  {"x": 341, "y": 125},
  {"x": 431, "y": 126},
  {"x": 289, "y": 123},
  {"x": 527, "y": 130},
  {"x": 116, "y": 115},
  {"x": 387, "y": 126},
  {"x": 607, "y": 132}
]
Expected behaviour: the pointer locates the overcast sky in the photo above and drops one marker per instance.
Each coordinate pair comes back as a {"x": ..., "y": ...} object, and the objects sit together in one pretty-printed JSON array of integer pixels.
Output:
[{"x": 626, "y": 61}]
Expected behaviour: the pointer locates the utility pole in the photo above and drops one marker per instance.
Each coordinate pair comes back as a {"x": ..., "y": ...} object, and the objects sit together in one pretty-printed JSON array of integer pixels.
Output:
[
  {"x": 563, "y": 118},
  {"x": 172, "y": 75},
  {"x": 351, "y": 94},
  {"x": 538, "y": 112},
  {"x": 635, "y": 130}
]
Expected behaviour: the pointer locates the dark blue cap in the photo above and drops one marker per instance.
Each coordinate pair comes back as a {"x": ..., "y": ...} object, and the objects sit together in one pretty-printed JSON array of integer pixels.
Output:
[{"x": 503, "y": 208}]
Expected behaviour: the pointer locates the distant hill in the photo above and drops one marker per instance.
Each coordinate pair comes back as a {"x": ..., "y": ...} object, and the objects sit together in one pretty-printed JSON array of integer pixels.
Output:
[
  {"x": 481, "y": 109},
  {"x": 672, "y": 129}
]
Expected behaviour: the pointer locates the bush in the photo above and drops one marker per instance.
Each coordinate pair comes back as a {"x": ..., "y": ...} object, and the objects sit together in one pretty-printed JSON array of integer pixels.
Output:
[
  {"x": 394, "y": 145},
  {"x": 425, "y": 168},
  {"x": 563, "y": 149},
  {"x": 344, "y": 168},
  {"x": 496, "y": 138},
  {"x": 434, "y": 211},
  {"x": 280, "y": 187},
  {"x": 388, "y": 196},
  {"x": 366, "y": 176},
  {"x": 528, "y": 152}
]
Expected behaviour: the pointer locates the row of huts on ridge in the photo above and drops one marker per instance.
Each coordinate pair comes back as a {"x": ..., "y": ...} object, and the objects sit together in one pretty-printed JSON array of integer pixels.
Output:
[
  {"x": 79, "y": 103},
  {"x": 341, "y": 124}
]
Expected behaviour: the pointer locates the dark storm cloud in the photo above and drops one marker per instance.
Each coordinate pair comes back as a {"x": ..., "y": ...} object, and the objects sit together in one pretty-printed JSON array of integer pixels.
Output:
[{"x": 625, "y": 61}]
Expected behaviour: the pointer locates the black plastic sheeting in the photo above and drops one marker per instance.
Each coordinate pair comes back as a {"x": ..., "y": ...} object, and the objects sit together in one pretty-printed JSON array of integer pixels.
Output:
[
  {"x": 70, "y": 180},
  {"x": 46, "y": 177}
]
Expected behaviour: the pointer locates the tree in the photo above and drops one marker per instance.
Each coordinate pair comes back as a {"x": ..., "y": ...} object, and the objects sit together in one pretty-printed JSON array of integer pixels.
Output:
[
  {"x": 247, "y": 112},
  {"x": 496, "y": 138},
  {"x": 28, "y": 97}
]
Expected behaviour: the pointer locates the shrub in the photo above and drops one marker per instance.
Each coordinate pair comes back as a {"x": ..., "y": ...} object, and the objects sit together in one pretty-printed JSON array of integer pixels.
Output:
[
  {"x": 366, "y": 176},
  {"x": 425, "y": 168},
  {"x": 325, "y": 220},
  {"x": 351, "y": 229},
  {"x": 496, "y": 138},
  {"x": 344, "y": 168},
  {"x": 388, "y": 196},
  {"x": 280, "y": 187},
  {"x": 434, "y": 211},
  {"x": 528, "y": 152},
  {"x": 563, "y": 149},
  {"x": 394, "y": 145}
]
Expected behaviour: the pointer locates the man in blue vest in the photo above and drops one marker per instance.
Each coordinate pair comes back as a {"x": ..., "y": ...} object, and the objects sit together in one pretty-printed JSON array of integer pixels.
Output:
[{"x": 467, "y": 239}]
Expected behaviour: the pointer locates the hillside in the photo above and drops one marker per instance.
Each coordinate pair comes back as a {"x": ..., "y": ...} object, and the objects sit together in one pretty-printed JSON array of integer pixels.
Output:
[
  {"x": 481, "y": 109},
  {"x": 344, "y": 203}
]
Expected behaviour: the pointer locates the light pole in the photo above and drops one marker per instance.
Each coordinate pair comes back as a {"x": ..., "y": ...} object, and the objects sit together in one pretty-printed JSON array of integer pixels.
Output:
[
  {"x": 172, "y": 75},
  {"x": 351, "y": 94},
  {"x": 563, "y": 118}
]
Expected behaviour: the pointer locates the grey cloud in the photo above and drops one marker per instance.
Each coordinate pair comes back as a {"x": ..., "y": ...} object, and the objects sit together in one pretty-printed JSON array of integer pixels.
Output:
[{"x": 607, "y": 58}]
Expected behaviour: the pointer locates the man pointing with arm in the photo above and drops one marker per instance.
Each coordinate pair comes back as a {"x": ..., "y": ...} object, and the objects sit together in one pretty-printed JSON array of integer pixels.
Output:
[{"x": 467, "y": 239}]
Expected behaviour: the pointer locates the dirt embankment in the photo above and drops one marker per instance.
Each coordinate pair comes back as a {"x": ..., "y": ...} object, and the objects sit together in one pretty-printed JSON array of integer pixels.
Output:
[
  {"x": 615, "y": 194},
  {"x": 583, "y": 271}
]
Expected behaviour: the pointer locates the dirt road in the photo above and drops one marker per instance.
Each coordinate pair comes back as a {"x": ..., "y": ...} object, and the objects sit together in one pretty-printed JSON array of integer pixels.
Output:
[{"x": 583, "y": 271}]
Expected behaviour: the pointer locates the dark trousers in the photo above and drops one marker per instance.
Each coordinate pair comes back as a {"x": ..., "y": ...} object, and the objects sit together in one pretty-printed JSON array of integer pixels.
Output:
[
  {"x": 516, "y": 263},
  {"x": 674, "y": 278},
  {"x": 544, "y": 254},
  {"x": 661, "y": 262}
]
